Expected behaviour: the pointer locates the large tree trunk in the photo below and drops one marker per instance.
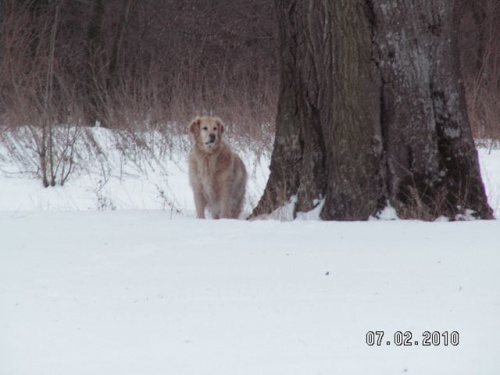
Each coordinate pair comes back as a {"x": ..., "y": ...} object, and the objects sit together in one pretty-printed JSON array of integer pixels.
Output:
[{"x": 372, "y": 112}]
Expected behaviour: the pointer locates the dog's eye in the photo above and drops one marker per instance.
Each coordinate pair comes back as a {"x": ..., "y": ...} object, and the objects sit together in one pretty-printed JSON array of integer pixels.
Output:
[
  {"x": 205, "y": 128},
  {"x": 215, "y": 128}
]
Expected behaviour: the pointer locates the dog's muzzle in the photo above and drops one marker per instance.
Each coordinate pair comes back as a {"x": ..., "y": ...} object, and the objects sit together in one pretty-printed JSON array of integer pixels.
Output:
[{"x": 211, "y": 140}]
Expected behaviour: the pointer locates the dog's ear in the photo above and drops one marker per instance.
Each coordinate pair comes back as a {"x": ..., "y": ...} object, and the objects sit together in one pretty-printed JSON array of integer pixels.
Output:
[
  {"x": 220, "y": 125},
  {"x": 194, "y": 127}
]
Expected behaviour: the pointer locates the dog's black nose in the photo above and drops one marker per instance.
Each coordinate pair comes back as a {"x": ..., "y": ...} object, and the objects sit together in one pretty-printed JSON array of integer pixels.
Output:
[{"x": 212, "y": 137}]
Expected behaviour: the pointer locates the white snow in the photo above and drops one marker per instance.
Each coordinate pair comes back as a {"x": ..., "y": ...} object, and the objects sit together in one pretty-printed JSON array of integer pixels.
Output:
[
  {"x": 113, "y": 174},
  {"x": 143, "y": 288}
]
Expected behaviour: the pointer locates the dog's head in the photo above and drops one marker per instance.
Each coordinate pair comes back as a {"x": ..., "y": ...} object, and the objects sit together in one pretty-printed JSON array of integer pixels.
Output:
[{"x": 207, "y": 132}]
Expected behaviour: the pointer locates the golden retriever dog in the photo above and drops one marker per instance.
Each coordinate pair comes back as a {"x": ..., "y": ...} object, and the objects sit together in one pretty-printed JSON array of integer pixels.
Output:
[{"x": 217, "y": 175}]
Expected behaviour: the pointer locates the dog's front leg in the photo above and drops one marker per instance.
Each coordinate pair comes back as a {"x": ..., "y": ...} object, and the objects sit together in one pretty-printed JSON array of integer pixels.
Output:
[
  {"x": 200, "y": 202},
  {"x": 225, "y": 203}
]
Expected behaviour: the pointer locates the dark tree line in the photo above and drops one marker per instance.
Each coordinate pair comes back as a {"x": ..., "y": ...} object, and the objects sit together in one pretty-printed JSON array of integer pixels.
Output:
[{"x": 122, "y": 61}]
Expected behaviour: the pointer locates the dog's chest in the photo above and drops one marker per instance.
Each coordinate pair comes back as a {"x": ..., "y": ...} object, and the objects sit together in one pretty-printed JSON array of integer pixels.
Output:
[
  {"x": 207, "y": 167},
  {"x": 207, "y": 171}
]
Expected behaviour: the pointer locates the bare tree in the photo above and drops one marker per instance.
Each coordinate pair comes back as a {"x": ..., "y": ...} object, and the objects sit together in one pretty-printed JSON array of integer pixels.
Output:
[
  {"x": 117, "y": 52},
  {"x": 95, "y": 82},
  {"x": 372, "y": 112},
  {"x": 47, "y": 141}
]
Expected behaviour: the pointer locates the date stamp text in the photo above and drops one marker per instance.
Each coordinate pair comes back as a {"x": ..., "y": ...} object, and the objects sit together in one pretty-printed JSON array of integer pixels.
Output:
[{"x": 407, "y": 338}]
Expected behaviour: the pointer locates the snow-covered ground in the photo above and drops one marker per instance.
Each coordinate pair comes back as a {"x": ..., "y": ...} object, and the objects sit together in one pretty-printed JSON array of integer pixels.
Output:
[
  {"x": 112, "y": 173},
  {"x": 111, "y": 274}
]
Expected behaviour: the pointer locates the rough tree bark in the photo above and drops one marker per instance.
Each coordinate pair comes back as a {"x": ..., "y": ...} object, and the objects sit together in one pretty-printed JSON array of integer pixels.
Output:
[{"x": 372, "y": 112}]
